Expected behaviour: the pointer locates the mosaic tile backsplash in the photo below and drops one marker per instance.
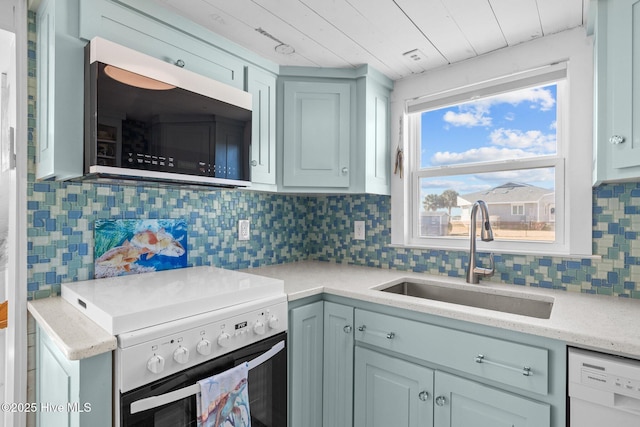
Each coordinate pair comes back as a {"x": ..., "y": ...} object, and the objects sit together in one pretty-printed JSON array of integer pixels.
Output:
[{"x": 287, "y": 228}]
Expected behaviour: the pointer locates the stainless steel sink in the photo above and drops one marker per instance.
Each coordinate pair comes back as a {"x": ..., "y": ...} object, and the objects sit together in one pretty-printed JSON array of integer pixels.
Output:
[{"x": 538, "y": 307}]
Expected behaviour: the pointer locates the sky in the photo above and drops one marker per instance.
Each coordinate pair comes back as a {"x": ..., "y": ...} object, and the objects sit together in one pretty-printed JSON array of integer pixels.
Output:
[{"x": 509, "y": 126}]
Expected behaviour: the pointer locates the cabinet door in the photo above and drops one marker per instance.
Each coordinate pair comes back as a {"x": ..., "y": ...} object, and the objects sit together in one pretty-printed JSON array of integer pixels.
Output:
[
  {"x": 391, "y": 392},
  {"x": 60, "y": 92},
  {"x": 462, "y": 403},
  {"x": 623, "y": 63},
  {"x": 317, "y": 134},
  {"x": 305, "y": 365},
  {"x": 71, "y": 393},
  {"x": 338, "y": 366},
  {"x": 262, "y": 86},
  {"x": 377, "y": 140}
]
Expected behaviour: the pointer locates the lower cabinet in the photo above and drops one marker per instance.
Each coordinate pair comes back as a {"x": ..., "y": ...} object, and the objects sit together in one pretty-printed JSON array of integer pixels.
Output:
[
  {"x": 391, "y": 392},
  {"x": 71, "y": 392},
  {"x": 460, "y": 402},
  {"x": 321, "y": 365},
  {"x": 357, "y": 367}
]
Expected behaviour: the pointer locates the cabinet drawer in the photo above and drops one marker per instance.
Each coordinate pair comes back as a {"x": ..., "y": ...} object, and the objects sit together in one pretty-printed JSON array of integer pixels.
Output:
[{"x": 514, "y": 364}]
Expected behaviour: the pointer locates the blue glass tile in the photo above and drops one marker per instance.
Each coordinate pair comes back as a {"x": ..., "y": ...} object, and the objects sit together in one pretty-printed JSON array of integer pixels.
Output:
[
  {"x": 74, "y": 214},
  {"x": 612, "y": 277}
]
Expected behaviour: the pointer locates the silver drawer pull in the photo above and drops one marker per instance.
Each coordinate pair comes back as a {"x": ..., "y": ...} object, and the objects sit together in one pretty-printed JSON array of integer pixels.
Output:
[
  {"x": 526, "y": 371},
  {"x": 347, "y": 329},
  {"x": 387, "y": 335},
  {"x": 441, "y": 400},
  {"x": 423, "y": 395}
]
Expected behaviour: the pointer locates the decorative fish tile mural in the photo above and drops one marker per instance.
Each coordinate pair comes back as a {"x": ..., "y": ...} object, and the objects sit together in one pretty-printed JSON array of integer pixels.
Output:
[{"x": 139, "y": 246}]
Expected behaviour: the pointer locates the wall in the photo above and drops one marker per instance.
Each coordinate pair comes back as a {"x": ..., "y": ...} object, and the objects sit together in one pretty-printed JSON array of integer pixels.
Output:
[{"x": 289, "y": 228}]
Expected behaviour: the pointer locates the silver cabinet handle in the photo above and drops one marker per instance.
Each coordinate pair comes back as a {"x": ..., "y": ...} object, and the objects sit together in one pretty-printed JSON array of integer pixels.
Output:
[
  {"x": 387, "y": 335},
  {"x": 345, "y": 171},
  {"x": 254, "y": 163},
  {"x": 423, "y": 395},
  {"x": 525, "y": 370},
  {"x": 179, "y": 63},
  {"x": 616, "y": 139},
  {"x": 441, "y": 400},
  {"x": 347, "y": 329}
]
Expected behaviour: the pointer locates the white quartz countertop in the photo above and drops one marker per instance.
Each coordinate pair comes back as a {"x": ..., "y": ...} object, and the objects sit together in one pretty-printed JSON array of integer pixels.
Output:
[
  {"x": 73, "y": 332},
  {"x": 595, "y": 322}
]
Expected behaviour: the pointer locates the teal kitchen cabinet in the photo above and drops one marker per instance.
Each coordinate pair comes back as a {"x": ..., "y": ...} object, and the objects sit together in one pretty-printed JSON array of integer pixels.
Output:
[
  {"x": 617, "y": 90},
  {"x": 460, "y": 403},
  {"x": 71, "y": 393},
  {"x": 337, "y": 393},
  {"x": 333, "y": 130},
  {"x": 136, "y": 26},
  {"x": 391, "y": 391},
  {"x": 321, "y": 365},
  {"x": 60, "y": 76},
  {"x": 306, "y": 340},
  {"x": 488, "y": 379},
  {"x": 262, "y": 86},
  {"x": 317, "y": 134}
]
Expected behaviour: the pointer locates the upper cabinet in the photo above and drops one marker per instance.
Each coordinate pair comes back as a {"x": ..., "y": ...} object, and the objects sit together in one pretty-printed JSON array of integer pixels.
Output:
[
  {"x": 333, "y": 130},
  {"x": 617, "y": 87},
  {"x": 262, "y": 87},
  {"x": 60, "y": 68}
]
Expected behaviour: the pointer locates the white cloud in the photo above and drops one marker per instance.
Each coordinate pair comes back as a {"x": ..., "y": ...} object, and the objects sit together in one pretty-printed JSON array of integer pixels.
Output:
[
  {"x": 540, "y": 98},
  {"x": 483, "y": 154},
  {"x": 533, "y": 141},
  {"x": 475, "y": 117}
]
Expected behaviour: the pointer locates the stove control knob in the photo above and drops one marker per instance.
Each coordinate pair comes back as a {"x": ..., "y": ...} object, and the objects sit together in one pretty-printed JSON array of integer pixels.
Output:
[
  {"x": 259, "y": 328},
  {"x": 181, "y": 355},
  {"x": 156, "y": 364},
  {"x": 204, "y": 347},
  {"x": 273, "y": 322},
  {"x": 223, "y": 339}
]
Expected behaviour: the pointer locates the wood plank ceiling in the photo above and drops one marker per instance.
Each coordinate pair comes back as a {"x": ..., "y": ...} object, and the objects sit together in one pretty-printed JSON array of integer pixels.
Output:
[{"x": 397, "y": 37}]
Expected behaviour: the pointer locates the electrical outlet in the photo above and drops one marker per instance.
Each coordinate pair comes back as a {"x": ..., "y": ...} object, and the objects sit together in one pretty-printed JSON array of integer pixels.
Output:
[
  {"x": 244, "y": 229},
  {"x": 358, "y": 230}
]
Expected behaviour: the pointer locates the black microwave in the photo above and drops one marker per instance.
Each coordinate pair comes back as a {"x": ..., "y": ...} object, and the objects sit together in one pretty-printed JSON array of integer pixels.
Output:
[{"x": 150, "y": 120}]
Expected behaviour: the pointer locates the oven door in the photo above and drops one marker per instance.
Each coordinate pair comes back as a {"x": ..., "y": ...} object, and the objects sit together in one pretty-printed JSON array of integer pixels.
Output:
[{"x": 267, "y": 390}]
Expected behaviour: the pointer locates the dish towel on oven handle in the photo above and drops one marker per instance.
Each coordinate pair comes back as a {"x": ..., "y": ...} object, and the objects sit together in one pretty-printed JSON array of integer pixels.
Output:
[{"x": 224, "y": 399}]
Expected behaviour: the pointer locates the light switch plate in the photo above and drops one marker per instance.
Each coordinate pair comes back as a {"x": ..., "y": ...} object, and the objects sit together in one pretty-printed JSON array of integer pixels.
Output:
[
  {"x": 358, "y": 230},
  {"x": 244, "y": 229}
]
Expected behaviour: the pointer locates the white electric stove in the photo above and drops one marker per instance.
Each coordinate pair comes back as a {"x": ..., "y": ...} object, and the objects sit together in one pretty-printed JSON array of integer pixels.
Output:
[{"x": 186, "y": 323}]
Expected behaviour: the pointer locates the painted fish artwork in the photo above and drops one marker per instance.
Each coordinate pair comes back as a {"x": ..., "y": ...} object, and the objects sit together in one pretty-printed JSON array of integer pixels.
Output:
[
  {"x": 139, "y": 246},
  {"x": 223, "y": 400}
]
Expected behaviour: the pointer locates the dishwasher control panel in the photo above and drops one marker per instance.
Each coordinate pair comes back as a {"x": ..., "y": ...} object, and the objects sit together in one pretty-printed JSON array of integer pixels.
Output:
[{"x": 603, "y": 372}]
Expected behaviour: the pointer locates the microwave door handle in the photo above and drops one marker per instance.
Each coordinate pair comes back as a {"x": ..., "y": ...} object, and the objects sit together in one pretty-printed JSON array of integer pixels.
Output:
[{"x": 155, "y": 401}]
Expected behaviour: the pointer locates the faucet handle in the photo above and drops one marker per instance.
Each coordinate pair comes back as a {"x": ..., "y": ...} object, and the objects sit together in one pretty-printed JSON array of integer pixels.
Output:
[
  {"x": 492, "y": 265},
  {"x": 486, "y": 272}
]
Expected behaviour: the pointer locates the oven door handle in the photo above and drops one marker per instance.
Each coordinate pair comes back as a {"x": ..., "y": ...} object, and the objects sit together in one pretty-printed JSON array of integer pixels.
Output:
[{"x": 156, "y": 401}]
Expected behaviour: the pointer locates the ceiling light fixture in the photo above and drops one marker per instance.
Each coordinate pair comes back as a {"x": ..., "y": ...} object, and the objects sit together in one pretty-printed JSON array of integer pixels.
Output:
[
  {"x": 136, "y": 80},
  {"x": 282, "y": 48},
  {"x": 285, "y": 49}
]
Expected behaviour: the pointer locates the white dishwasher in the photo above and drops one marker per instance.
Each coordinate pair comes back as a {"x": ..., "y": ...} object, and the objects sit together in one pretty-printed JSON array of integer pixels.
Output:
[{"x": 604, "y": 390}]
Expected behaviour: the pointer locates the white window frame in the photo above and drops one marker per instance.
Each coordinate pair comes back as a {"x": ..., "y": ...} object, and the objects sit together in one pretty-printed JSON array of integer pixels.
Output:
[{"x": 572, "y": 164}]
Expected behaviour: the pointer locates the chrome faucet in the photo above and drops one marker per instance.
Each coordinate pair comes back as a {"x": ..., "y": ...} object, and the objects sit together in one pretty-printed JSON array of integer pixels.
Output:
[{"x": 475, "y": 273}]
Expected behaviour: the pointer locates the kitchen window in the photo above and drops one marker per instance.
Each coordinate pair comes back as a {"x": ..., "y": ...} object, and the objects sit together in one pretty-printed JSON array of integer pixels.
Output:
[{"x": 519, "y": 140}]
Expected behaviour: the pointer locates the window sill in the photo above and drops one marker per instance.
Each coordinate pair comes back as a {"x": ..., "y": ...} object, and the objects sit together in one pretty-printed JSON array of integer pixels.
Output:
[{"x": 497, "y": 251}]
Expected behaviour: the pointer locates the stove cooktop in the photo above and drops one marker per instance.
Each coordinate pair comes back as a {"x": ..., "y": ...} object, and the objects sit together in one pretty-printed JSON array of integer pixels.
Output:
[{"x": 127, "y": 303}]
